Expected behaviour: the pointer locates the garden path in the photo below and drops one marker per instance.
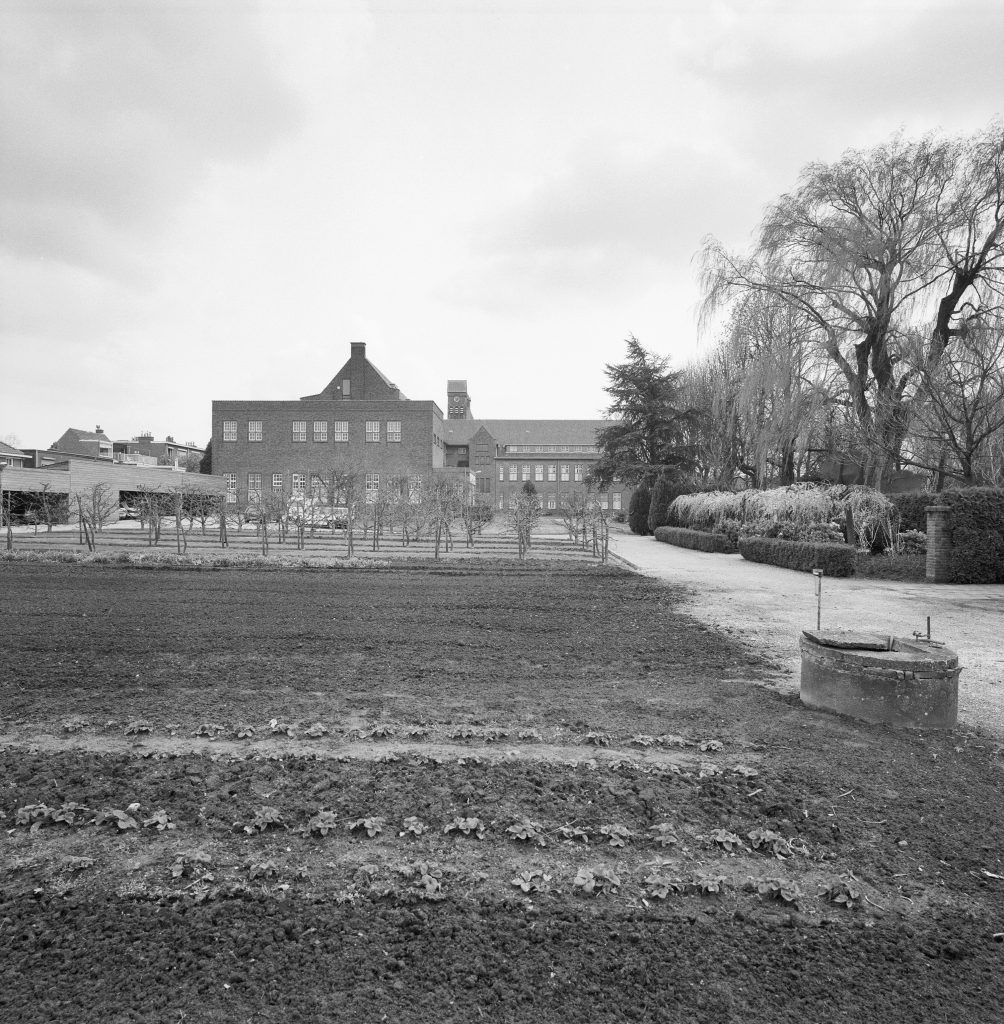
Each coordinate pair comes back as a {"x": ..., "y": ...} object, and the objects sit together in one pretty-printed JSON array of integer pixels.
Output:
[{"x": 769, "y": 607}]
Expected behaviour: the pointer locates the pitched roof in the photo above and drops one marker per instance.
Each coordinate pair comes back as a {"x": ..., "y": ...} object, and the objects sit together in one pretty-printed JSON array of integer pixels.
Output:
[
  {"x": 86, "y": 435},
  {"x": 525, "y": 431},
  {"x": 5, "y": 449}
]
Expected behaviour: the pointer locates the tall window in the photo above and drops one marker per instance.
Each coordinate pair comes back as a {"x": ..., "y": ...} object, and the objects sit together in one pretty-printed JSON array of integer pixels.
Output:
[
  {"x": 254, "y": 486},
  {"x": 277, "y": 481},
  {"x": 230, "y": 430},
  {"x": 552, "y": 472},
  {"x": 231, "y": 481},
  {"x": 604, "y": 500},
  {"x": 525, "y": 471},
  {"x": 320, "y": 430},
  {"x": 538, "y": 472},
  {"x": 299, "y": 484},
  {"x": 578, "y": 472},
  {"x": 564, "y": 471},
  {"x": 299, "y": 430},
  {"x": 318, "y": 489},
  {"x": 346, "y": 388},
  {"x": 372, "y": 430},
  {"x": 551, "y": 503},
  {"x": 617, "y": 500},
  {"x": 512, "y": 470},
  {"x": 254, "y": 430},
  {"x": 393, "y": 430},
  {"x": 341, "y": 429},
  {"x": 501, "y": 472},
  {"x": 372, "y": 485}
]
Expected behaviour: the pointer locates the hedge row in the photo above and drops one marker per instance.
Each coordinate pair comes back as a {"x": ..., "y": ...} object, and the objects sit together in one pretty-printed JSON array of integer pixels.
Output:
[
  {"x": 833, "y": 559},
  {"x": 717, "y": 543},
  {"x": 977, "y": 524},
  {"x": 911, "y": 508}
]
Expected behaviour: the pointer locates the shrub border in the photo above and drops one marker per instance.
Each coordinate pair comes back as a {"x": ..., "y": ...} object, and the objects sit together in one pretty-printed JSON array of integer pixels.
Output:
[{"x": 697, "y": 540}]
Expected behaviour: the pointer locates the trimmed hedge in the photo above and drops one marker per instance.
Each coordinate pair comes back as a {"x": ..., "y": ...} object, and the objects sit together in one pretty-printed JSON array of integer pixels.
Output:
[
  {"x": 833, "y": 559},
  {"x": 698, "y": 540},
  {"x": 910, "y": 507},
  {"x": 977, "y": 534}
]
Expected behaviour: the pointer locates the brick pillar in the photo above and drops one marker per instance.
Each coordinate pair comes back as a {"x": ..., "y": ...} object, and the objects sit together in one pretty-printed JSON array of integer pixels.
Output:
[{"x": 939, "y": 543}]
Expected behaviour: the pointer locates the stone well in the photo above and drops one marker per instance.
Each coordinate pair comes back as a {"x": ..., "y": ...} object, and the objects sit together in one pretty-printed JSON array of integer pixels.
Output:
[{"x": 890, "y": 680}]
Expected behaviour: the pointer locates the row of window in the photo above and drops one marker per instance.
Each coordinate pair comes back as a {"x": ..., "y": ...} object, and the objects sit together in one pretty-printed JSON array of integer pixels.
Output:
[
  {"x": 340, "y": 430},
  {"x": 550, "y": 501},
  {"x": 298, "y": 485},
  {"x": 538, "y": 470},
  {"x": 537, "y": 449}
]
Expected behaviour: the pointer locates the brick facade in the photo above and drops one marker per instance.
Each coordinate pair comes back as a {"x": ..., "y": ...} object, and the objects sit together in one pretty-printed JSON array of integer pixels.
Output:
[
  {"x": 271, "y": 441},
  {"x": 939, "y": 543}
]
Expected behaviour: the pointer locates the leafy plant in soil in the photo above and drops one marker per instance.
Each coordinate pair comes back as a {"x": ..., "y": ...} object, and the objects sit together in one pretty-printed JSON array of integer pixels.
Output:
[
  {"x": 528, "y": 831},
  {"x": 413, "y": 826},
  {"x": 138, "y": 727},
  {"x": 264, "y": 818},
  {"x": 591, "y": 881},
  {"x": 262, "y": 869},
  {"x": 598, "y": 739},
  {"x": 641, "y": 740},
  {"x": 780, "y": 889},
  {"x": 711, "y": 745},
  {"x": 843, "y": 893},
  {"x": 380, "y": 732},
  {"x": 416, "y": 732},
  {"x": 531, "y": 880},
  {"x": 573, "y": 832},
  {"x": 75, "y": 725},
  {"x": 708, "y": 885},
  {"x": 664, "y": 835},
  {"x": 160, "y": 821},
  {"x": 660, "y": 886},
  {"x": 770, "y": 842},
  {"x": 428, "y": 878},
  {"x": 120, "y": 819},
  {"x": 186, "y": 864},
  {"x": 277, "y": 728},
  {"x": 372, "y": 826},
  {"x": 530, "y": 735},
  {"x": 708, "y": 770},
  {"x": 618, "y": 835},
  {"x": 673, "y": 740},
  {"x": 322, "y": 823},
  {"x": 210, "y": 729},
  {"x": 468, "y": 826},
  {"x": 728, "y": 841},
  {"x": 316, "y": 731},
  {"x": 464, "y": 732},
  {"x": 745, "y": 771},
  {"x": 244, "y": 732}
]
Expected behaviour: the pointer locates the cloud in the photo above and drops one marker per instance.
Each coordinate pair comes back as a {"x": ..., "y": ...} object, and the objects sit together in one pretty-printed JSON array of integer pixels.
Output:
[
  {"x": 113, "y": 114},
  {"x": 610, "y": 223}
]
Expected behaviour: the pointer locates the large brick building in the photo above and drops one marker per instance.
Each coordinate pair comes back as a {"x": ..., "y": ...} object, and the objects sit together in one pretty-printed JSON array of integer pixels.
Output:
[{"x": 360, "y": 421}]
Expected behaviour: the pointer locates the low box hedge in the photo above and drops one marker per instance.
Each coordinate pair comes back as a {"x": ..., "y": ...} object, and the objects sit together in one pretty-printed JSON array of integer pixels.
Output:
[
  {"x": 698, "y": 540},
  {"x": 833, "y": 559}
]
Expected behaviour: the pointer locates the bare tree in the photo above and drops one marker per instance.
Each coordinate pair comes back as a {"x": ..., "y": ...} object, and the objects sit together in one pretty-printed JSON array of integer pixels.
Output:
[
  {"x": 96, "y": 506},
  {"x": 860, "y": 247}
]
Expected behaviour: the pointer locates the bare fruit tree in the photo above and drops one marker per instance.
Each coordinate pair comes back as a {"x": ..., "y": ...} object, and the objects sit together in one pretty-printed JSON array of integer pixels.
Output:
[{"x": 96, "y": 506}]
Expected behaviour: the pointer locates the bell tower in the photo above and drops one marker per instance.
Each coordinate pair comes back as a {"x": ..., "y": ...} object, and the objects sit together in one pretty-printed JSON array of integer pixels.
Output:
[{"x": 458, "y": 401}]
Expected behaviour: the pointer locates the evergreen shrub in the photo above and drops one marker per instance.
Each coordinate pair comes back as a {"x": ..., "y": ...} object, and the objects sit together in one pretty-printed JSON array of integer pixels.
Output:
[
  {"x": 638, "y": 510},
  {"x": 803, "y": 556},
  {"x": 697, "y": 540}
]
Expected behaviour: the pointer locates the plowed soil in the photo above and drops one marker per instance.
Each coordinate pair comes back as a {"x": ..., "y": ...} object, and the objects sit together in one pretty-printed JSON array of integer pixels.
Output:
[{"x": 488, "y": 793}]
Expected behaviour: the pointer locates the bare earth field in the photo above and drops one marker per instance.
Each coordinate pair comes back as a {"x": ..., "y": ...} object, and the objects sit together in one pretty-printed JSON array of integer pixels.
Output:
[{"x": 299, "y": 796}]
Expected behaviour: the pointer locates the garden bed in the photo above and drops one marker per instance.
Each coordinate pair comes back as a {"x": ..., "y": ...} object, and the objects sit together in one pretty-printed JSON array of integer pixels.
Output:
[{"x": 460, "y": 795}]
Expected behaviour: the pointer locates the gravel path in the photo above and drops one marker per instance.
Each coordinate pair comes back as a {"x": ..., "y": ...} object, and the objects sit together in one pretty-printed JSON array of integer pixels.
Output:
[{"x": 769, "y": 607}]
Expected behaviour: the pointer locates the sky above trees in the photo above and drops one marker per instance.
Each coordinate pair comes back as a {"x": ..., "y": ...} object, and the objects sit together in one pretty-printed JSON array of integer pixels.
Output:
[{"x": 212, "y": 200}]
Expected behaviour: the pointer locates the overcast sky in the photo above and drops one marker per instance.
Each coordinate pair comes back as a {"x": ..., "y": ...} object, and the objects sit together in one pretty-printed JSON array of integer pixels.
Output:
[{"x": 212, "y": 199}]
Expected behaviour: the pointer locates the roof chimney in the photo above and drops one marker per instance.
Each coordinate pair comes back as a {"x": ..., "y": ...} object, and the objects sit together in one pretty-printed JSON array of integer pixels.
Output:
[{"x": 97, "y": 429}]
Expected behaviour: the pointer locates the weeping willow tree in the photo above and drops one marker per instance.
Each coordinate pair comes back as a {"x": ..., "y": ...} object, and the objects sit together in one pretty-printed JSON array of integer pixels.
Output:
[{"x": 865, "y": 248}]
